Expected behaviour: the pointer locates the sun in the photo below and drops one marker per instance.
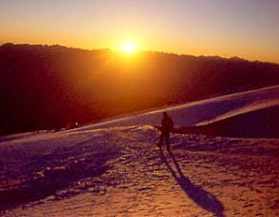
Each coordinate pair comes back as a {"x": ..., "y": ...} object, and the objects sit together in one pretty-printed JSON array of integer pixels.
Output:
[{"x": 128, "y": 47}]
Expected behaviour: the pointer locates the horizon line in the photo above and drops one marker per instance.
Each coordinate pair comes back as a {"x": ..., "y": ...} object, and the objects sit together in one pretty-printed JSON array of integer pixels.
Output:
[{"x": 143, "y": 50}]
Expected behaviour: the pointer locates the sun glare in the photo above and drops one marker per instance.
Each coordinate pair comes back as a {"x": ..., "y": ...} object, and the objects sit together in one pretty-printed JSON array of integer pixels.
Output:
[{"x": 128, "y": 47}]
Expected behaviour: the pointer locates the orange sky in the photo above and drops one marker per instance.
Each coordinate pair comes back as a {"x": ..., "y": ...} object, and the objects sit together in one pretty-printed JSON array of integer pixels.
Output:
[{"x": 248, "y": 29}]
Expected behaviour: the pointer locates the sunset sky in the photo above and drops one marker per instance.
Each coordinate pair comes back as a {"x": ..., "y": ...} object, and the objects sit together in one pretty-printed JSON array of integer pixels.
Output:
[{"x": 244, "y": 28}]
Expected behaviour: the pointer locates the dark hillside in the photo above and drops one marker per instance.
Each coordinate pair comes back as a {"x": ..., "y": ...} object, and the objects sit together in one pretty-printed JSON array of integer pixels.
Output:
[{"x": 44, "y": 87}]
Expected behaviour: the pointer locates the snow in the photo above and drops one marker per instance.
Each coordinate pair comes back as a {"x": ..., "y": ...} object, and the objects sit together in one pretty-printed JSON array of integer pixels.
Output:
[
  {"x": 115, "y": 169},
  {"x": 202, "y": 112}
]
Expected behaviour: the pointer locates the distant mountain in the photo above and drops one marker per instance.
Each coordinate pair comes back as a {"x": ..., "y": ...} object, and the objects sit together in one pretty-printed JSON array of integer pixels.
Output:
[{"x": 45, "y": 87}]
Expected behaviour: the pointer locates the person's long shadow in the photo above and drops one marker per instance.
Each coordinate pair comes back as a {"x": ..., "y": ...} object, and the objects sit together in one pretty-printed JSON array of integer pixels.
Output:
[{"x": 201, "y": 197}]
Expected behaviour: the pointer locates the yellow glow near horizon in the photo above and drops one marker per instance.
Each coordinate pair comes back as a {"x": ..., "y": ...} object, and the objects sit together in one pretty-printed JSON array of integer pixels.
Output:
[{"x": 128, "y": 47}]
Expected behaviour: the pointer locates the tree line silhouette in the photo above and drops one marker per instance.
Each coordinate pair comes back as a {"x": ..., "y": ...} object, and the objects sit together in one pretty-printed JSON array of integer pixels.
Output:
[{"x": 45, "y": 87}]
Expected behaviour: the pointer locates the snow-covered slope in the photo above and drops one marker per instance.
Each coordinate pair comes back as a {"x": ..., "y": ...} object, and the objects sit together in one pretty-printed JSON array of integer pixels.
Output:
[
  {"x": 119, "y": 172},
  {"x": 203, "y": 112},
  {"x": 102, "y": 171}
]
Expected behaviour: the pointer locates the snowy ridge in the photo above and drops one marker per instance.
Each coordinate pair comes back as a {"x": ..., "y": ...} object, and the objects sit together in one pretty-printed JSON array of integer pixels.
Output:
[{"x": 203, "y": 112}]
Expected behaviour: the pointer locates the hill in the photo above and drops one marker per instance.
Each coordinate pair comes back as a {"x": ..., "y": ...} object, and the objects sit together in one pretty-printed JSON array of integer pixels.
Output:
[
  {"x": 251, "y": 114},
  {"x": 45, "y": 87}
]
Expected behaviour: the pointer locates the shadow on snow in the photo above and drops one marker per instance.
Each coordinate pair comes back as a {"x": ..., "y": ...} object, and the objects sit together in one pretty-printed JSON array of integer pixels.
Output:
[
  {"x": 64, "y": 169},
  {"x": 201, "y": 197}
]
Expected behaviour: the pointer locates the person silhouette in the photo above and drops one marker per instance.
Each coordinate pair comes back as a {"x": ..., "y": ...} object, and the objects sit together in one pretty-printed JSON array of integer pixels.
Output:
[{"x": 166, "y": 128}]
